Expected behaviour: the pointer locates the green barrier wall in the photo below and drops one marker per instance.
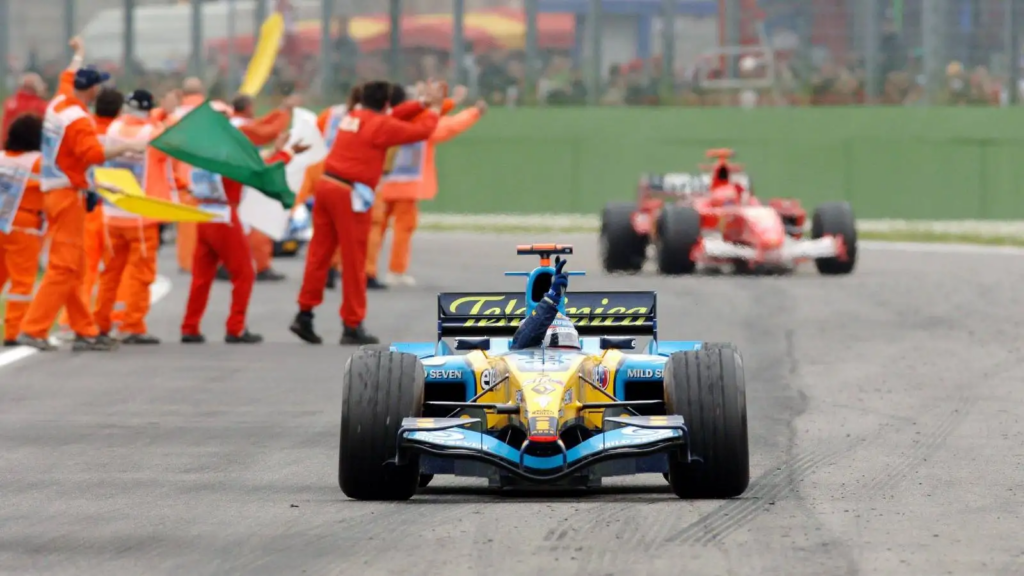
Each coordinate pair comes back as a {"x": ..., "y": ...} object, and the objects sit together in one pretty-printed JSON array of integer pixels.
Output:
[{"x": 912, "y": 163}]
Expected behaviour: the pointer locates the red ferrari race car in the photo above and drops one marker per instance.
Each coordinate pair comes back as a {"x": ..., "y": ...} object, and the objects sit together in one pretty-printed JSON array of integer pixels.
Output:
[{"x": 712, "y": 219}]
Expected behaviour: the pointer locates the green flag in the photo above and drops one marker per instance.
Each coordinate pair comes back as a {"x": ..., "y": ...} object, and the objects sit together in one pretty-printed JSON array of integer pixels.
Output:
[{"x": 204, "y": 138}]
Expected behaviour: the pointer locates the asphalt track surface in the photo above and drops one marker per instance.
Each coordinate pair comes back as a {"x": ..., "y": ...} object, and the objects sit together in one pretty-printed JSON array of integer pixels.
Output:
[{"x": 885, "y": 423}]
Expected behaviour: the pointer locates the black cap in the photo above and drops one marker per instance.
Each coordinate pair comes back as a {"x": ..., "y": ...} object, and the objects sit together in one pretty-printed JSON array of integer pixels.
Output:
[
  {"x": 88, "y": 77},
  {"x": 141, "y": 100}
]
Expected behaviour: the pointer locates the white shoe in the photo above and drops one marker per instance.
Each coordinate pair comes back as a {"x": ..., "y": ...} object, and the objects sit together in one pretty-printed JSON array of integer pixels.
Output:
[{"x": 400, "y": 279}]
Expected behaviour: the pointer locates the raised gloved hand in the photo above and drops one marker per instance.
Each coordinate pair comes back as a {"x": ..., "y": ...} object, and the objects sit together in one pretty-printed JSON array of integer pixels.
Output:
[{"x": 559, "y": 283}]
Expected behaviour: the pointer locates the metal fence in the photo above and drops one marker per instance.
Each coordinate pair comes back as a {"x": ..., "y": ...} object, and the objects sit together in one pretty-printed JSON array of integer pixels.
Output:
[{"x": 550, "y": 52}]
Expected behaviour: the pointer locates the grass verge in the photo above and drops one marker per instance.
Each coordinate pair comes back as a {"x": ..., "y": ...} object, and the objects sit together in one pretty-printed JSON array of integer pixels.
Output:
[{"x": 886, "y": 236}]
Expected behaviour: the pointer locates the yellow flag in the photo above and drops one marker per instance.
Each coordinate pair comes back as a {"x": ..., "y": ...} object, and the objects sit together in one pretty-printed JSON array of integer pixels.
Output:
[
  {"x": 119, "y": 180},
  {"x": 119, "y": 187},
  {"x": 262, "y": 63}
]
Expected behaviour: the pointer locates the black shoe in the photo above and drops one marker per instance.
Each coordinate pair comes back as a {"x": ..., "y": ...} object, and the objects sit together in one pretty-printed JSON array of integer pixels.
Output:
[
  {"x": 357, "y": 336},
  {"x": 243, "y": 338},
  {"x": 193, "y": 339},
  {"x": 269, "y": 275},
  {"x": 139, "y": 339},
  {"x": 11, "y": 343},
  {"x": 373, "y": 284},
  {"x": 101, "y": 343},
  {"x": 302, "y": 327},
  {"x": 41, "y": 344},
  {"x": 222, "y": 274},
  {"x": 332, "y": 279}
]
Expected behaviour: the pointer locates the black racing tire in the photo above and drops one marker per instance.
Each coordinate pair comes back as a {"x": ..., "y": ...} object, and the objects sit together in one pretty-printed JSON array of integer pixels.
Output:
[
  {"x": 622, "y": 248},
  {"x": 837, "y": 219},
  {"x": 707, "y": 388},
  {"x": 380, "y": 389},
  {"x": 678, "y": 233},
  {"x": 425, "y": 480}
]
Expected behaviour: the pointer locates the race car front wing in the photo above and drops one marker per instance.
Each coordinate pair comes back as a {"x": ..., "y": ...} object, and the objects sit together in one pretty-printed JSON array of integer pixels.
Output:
[
  {"x": 634, "y": 437},
  {"x": 791, "y": 250}
]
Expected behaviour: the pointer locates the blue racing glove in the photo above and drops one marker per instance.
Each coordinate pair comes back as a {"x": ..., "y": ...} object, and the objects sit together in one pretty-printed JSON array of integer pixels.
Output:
[
  {"x": 559, "y": 283},
  {"x": 92, "y": 199}
]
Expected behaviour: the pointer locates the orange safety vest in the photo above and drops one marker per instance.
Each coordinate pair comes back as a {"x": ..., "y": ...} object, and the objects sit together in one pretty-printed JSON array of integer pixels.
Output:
[
  {"x": 152, "y": 170},
  {"x": 19, "y": 181}
]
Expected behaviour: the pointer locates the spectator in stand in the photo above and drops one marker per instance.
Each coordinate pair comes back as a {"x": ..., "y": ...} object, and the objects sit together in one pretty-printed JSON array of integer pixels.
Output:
[
  {"x": 494, "y": 79},
  {"x": 29, "y": 99}
]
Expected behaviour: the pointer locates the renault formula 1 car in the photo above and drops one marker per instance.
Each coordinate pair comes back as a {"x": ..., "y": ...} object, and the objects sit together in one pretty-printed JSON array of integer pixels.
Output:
[
  {"x": 544, "y": 416},
  {"x": 714, "y": 220}
]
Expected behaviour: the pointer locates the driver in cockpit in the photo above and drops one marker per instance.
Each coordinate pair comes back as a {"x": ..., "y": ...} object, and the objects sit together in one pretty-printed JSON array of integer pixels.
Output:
[{"x": 546, "y": 326}]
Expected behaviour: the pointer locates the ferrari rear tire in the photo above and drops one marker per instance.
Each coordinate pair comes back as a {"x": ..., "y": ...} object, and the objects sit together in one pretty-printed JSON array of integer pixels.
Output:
[
  {"x": 622, "y": 248},
  {"x": 380, "y": 389},
  {"x": 678, "y": 234},
  {"x": 836, "y": 219},
  {"x": 707, "y": 388}
]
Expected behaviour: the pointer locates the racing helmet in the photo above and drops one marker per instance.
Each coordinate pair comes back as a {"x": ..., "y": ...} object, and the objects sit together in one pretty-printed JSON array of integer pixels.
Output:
[{"x": 562, "y": 334}]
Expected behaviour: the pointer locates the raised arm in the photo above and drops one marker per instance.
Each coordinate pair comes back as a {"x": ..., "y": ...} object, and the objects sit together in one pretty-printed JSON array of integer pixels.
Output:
[
  {"x": 449, "y": 127},
  {"x": 531, "y": 331},
  {"x": 394, "y": 132},
  {"x": 265, "y": 130},
  {"x": 66, "y": 85}
]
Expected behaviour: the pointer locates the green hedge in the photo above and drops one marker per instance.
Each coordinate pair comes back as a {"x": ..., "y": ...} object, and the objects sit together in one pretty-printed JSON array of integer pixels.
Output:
[{"x": 911, "y": 163}]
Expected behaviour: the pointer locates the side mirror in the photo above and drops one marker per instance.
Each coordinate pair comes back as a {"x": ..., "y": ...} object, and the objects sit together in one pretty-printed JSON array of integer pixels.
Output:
[
  {"x": 472, "y": 343},
  {"x": 618, "y": 343}
]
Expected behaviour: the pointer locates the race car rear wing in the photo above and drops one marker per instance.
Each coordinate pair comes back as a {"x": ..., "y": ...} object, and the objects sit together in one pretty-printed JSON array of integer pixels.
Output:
[{"x": 593, "y": 313}]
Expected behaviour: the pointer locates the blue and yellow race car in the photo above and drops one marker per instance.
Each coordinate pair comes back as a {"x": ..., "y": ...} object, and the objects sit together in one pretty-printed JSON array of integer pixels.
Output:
[{"x": 544, "y": 416}]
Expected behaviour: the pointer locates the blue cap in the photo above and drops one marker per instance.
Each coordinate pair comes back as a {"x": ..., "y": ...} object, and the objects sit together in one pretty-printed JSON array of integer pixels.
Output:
[
  {"x": 88, "y": 77},
  {"x": 140, "y": 100}
]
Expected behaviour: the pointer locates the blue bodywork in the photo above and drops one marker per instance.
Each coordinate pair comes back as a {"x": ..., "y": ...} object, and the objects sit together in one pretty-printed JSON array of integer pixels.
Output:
[{"x": 466, "y": 452}]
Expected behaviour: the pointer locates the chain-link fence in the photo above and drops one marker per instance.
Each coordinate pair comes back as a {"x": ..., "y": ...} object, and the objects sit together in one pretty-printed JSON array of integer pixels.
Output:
[{"x": 549, "y": 52}]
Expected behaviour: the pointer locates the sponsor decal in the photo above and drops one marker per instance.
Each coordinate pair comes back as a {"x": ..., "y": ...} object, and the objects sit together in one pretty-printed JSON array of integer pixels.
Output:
[
  {"x": 552, "y": 361},
  {"x": 601, "y": 376},
  {"x": 644, "y": 373},
  {"x": 519, "y": 397},
  {"x": 445, "y": 374},
  {"x": 567, "y": 399},
  {"x": 545, "y": 386},
  {"x": 487, "y": 378},
  {"x": 454, "y": 438},
  {"x": 584, "y": 309},
  {"x": 632, "y": 435}
]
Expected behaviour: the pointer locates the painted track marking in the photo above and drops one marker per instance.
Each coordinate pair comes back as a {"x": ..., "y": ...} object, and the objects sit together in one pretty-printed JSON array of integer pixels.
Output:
[{"x": 158, "y": 291}]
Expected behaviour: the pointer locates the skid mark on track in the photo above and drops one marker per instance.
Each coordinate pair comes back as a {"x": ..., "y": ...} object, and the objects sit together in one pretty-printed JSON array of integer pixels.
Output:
[
  {"x": 777, "y": 484},
  {"x": 930, "y": 443}
]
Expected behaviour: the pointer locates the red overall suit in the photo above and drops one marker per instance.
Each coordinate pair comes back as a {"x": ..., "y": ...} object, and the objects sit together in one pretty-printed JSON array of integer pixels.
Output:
[
  {"x": 356, "y": 157},
  {"x": 227, "y": 243}
]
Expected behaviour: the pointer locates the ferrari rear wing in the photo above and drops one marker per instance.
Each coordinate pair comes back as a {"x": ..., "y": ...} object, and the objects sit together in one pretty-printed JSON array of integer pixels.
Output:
[{"x": 593, "y": 313}]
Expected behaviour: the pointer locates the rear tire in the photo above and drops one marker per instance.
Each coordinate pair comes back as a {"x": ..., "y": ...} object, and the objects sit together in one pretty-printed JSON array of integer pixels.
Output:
[
  {"x": 708, "y": 389},
  {"x": 380, "y": 389},
  {"x": 836, "y": 219},
  {"x": 678, "y": 233},
  {"x": 622, "y": 249}
]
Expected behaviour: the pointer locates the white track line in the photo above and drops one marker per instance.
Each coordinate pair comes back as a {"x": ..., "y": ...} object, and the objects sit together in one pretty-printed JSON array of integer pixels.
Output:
[{"x": 160, "y": 288}]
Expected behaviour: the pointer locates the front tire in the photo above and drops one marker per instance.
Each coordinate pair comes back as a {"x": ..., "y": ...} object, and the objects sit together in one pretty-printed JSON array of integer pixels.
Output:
[
  {"x": 707, "y": 388},
  {"x": 678, "y": 233},
  {"x": 836, "y": 219},
  {"x": 380, "y": 389},
  {"x": 622, "y": 249}
]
